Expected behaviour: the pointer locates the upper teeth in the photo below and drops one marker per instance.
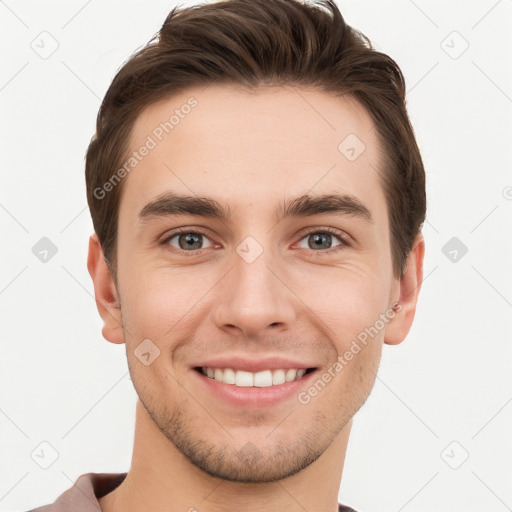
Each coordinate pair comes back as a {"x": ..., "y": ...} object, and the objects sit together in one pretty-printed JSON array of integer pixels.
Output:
[{"x": 248, "y": 379}]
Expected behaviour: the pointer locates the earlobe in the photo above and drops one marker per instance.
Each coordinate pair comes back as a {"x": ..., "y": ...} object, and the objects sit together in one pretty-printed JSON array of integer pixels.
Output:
[
  {"x": 107, "y": 300},
  {"x": 409, "y": 286}
]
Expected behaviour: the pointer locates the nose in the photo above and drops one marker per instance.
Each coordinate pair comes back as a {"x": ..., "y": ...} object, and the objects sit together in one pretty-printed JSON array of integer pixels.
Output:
[{"x": 255, "y": 298}]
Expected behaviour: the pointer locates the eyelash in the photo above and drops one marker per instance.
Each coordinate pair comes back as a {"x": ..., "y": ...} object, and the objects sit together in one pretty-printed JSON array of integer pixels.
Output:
[
  {"x": 331, "y": 231},
  {"x": 327, "y": 230}
]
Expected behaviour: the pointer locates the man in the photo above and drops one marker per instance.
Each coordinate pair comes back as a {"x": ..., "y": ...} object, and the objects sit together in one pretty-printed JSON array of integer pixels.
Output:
[{"x": 257, "y": 195}]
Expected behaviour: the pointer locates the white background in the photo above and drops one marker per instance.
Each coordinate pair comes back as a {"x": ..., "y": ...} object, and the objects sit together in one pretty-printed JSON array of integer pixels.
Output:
[{"x": 449, "y": 381}]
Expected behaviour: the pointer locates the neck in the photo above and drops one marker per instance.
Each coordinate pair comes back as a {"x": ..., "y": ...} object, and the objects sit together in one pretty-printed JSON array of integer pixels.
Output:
[{"x": 162, "y": 479}]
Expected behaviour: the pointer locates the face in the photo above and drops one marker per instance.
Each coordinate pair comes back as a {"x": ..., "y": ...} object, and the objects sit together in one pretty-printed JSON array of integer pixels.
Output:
[{"x": 252, "y": 276}]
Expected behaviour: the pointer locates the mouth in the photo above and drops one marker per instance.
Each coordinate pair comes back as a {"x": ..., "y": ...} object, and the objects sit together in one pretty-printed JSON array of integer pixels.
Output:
[
  {"x": 261, "y": 379},
  {"x": 240, "y": 389}
]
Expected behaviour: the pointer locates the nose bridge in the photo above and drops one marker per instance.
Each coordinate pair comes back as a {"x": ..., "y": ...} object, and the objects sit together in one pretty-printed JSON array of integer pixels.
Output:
[{"x": 252, "y": 298}]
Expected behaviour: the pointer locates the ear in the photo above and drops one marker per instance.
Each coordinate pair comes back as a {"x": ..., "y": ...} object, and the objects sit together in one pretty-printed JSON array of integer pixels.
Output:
[
  {"x": 107, "y": 300},
  {"x": 409, "y": 288}
]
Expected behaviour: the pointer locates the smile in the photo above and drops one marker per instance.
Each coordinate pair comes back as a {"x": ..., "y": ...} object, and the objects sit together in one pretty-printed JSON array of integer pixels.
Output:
[{"x": 263, "y": 379}]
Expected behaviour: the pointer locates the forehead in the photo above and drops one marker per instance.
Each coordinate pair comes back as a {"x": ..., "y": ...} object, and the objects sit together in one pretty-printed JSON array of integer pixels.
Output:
[{"x": 254, "y": 147}]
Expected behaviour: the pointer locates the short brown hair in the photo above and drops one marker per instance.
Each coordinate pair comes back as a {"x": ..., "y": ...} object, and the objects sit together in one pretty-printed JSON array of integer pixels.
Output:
[{"x": 261, "y": 42}]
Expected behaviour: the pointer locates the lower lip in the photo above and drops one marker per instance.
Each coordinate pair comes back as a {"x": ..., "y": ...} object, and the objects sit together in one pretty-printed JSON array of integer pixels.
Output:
[{"x": 254, "y": 397}]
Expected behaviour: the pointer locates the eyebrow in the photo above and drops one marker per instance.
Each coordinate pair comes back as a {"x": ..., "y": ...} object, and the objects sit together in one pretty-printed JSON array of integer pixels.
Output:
[{"x": 303, "y": 206}]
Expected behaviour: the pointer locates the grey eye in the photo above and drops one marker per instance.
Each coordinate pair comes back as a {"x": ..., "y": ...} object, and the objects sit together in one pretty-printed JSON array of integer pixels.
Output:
[
  {"x": 319, "y": 241},
  {"x": 189, "y": 241}
]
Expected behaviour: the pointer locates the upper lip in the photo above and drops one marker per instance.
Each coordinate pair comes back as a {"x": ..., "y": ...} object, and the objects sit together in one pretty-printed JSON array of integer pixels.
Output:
[{"x": 238, "y": 362}]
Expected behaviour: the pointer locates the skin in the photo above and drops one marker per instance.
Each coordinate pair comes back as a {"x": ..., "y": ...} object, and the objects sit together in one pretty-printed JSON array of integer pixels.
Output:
[{"x": 250, "y": 150}]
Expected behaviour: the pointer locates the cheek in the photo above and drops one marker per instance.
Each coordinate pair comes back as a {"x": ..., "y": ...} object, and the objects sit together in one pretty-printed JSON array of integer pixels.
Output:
[
  {"x": 346, "y": 299},
  {"x": 159, "y": 300},
  {"x": 349, "y": 311}
]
